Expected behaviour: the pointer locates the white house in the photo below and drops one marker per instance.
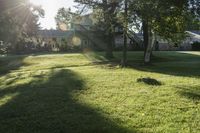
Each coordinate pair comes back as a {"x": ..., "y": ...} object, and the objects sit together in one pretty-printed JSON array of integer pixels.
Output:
[{"x": 192, "y": 36}]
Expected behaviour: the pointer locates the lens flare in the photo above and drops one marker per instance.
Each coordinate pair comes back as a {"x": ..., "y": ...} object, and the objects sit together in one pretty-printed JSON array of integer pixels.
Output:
[
  {"x": 63, "y": 27},
  {"x": 76, "y": 41}
]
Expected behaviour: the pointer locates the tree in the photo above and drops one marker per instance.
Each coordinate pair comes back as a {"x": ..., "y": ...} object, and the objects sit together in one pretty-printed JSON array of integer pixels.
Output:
[
  {"x": 124, "y": 61},
  {"x": 64, "y": 18},
  {"x": 107, "y": 13},
  {"x": 166, "y": 18},
  {"x": 18, "y": 20}
]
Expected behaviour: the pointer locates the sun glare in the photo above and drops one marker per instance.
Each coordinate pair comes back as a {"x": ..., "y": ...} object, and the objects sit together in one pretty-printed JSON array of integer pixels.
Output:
[
  {"x": 51, "y": 7},
  {"x": 35, "y": 2},
  {"x": 38, "y": 2}
]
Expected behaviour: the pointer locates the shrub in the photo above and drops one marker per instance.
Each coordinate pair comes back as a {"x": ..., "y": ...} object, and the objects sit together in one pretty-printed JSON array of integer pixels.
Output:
[{"x": 196, "y": 46}]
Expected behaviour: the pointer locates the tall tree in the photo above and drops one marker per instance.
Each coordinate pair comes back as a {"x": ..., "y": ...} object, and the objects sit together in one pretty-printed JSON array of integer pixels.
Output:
[
  {"x": 64, "y": 18},
  {"x": 166, "y": 18},
  {"x": 106, "y": 10},
  {"x": 124, "y": 61},
  {"x": 18, "y": 19}
]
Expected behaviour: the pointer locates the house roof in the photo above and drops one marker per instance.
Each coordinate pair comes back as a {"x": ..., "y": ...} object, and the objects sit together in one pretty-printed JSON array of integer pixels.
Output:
[
  {"x": 54, "y": 33},
  {"x": 196, "y": 32}
]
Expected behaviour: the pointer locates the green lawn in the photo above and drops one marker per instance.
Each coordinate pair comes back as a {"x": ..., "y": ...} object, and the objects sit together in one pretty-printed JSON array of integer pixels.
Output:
[{"x": 86, "y": 93}]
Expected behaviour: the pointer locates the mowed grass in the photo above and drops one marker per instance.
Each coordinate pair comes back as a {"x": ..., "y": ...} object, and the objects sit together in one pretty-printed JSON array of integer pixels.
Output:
[{"x": 86, "y": 93}]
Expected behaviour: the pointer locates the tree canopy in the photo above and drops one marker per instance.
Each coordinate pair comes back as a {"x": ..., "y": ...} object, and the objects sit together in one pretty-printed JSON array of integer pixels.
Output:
[
  {"x": 167, "y": 18},
  {"x": 64, "y": 18},
  {"x": 18, "y": 18}
]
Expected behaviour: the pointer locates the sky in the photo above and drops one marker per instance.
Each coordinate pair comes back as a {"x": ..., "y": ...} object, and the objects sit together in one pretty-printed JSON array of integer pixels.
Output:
[{"x": 51, "y": 7}]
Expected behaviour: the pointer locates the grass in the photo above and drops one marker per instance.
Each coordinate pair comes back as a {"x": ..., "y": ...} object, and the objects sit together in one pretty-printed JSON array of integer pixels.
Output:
[{"x": 86, "y": 93}]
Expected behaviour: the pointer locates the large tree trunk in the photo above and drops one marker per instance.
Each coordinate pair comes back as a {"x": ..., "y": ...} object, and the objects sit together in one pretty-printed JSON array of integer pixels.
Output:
[
  {"x": 109, "y": 49},
  {"x": 148, "y": 41},
  {"x": 109, "y": 34},
  {"x": 124, "y": 60},
  {"x": 148, "y": 53},
  {"x": 145, "y": 34}
]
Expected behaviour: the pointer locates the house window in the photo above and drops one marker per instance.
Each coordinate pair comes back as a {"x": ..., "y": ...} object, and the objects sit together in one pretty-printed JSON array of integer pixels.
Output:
[{"x": 85, "y": 43}]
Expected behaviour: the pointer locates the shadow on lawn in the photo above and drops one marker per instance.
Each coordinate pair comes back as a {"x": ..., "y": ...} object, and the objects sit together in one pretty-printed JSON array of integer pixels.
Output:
[
  {"x": 9, "y": 63},
  {"x": 190, "y": 92},
  {"x": 177, "y": 64},
  {"x": 50, "y": 107}
]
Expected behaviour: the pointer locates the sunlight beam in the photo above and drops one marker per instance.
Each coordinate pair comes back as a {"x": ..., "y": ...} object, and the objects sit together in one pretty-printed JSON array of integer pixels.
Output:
[{"x": 51, "y": 7}]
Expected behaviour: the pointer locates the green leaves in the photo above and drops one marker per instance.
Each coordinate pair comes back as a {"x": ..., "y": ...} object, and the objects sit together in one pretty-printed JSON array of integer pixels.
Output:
[
  {"x": 18, "y": 23},
  {"x": 169, "y": 18}
]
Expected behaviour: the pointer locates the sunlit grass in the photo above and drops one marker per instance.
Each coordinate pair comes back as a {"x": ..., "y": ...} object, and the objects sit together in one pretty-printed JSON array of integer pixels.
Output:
[
  {"x": 89, "y": 93},
  {"x": 6, "y": 99}
]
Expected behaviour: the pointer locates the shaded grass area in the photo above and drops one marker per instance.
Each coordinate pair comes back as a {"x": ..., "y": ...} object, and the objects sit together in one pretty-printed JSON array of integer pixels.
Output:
[
  {"x": 46, "y": 104},
  {"x": 171, "y": 63},
  {"x": 86, "y": 93},
  {"x": 191, "y": 92},
  {"x": 11, "y": 63}
]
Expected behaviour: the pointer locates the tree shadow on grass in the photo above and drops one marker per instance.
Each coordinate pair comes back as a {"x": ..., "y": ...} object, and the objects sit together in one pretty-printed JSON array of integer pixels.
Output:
[
  {"x": 10, "y": 63},
  {"x": 173, "y": 63},
  {"x": 177, "y": 64},
  {"x": 49, "y": 106},
  {"x": 190, "y": 92}
]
